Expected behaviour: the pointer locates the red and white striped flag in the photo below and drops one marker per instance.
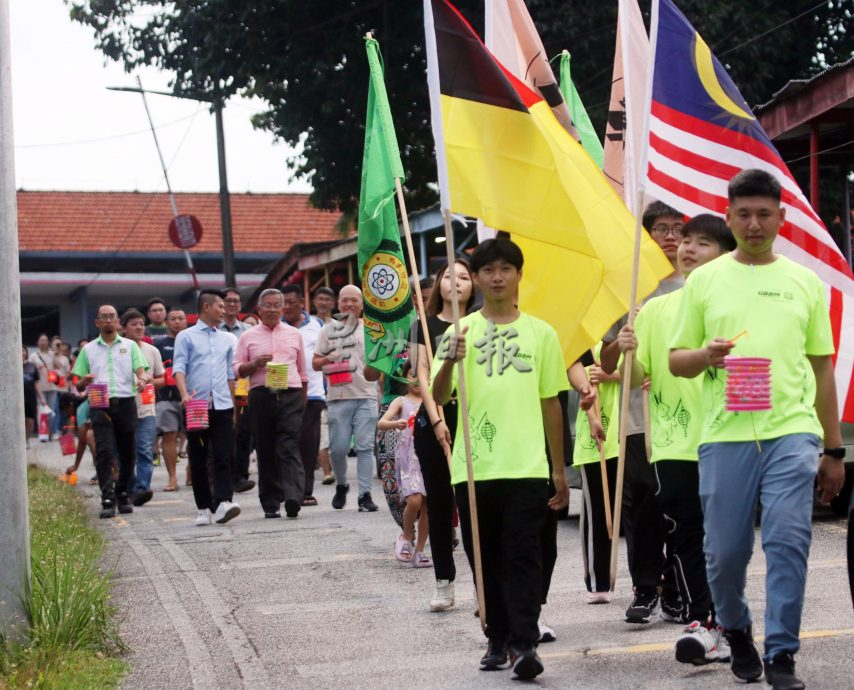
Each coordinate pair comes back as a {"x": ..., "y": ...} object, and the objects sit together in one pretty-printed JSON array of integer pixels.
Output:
[{"x": 701, "y": 133}]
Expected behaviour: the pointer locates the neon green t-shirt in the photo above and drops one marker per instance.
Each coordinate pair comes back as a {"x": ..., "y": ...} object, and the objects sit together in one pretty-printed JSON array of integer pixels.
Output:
[
  {"x": 509, "y": 368},
  {"x": 675, "y": 404},
  {"x": 585, "y": 450},
  {"x": 782, "y": 307}
]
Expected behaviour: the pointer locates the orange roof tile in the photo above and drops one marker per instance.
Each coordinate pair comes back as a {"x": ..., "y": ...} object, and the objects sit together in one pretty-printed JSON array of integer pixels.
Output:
[{"x": 138, "y": 221}]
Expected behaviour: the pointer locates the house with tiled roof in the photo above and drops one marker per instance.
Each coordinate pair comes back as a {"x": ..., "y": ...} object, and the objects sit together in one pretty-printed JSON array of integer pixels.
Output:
[{"x": 81, "y": 249}]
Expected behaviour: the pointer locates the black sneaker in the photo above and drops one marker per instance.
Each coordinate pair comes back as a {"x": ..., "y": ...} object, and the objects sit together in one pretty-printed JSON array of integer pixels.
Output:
[
  {"x": 780, "y": 672},
  {"x": 272, "y": 514},
  {"x": 140, "y": 498},
  {"x": 292, "y": 507},
  {"x": 495, "y": 657},
  {"x": 366, "y": 504},
  {"x": 526, "y": 664},
  {"x": 108, "y": 510},
  {"x": 745, "y": 661},
  {"x": 672, "y": 611},
  {"x": 340, "y": 498},
  {"x": 124, "y": 504},
  {"x": 242, "y": 485},
  {"x": 643, "y": 607}
]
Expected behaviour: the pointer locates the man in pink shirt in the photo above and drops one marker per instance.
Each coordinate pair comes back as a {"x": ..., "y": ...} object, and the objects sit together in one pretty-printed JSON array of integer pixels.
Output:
[{"x": 276, "y": 403}]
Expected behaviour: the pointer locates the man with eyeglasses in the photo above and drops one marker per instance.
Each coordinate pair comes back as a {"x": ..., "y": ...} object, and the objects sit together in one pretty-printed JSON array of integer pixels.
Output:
[
  {"x": 276, "y": 403},
  {"x": 643, "y": 520},
  {"x": 242, "y": 427},
  {"x": 117, "y": 362}
]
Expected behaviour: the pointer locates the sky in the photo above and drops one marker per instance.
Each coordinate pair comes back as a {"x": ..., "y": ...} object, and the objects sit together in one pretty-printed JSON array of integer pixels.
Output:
[{"x": 71, "y": 133}]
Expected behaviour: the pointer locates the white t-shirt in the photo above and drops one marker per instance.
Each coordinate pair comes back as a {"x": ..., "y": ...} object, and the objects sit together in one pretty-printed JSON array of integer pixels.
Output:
[{"x": 155, "y": 369}]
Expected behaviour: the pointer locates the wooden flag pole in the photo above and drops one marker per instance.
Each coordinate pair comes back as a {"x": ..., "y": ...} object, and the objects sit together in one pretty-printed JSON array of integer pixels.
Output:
[
  {"x": 464, "y": 410},
  {"x": 628, "y": 362},
  {"x": 603, "y": 466},
  {"x": 413, "y": 269}
]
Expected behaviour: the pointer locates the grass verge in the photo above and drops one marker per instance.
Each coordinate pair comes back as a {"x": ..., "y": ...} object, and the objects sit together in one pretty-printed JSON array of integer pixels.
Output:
[{"x": 74, "y": 641}]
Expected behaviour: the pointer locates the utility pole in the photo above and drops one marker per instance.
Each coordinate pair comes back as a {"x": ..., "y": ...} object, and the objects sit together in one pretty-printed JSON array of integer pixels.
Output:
[
  {"x": 14, "y": 518},
  {"x": 224, "y": 200},
  {"x": 224, "y": 197}
]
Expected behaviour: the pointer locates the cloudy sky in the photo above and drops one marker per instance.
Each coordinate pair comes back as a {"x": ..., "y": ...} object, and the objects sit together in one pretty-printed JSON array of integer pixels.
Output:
[{"x": 71, "y": 133}]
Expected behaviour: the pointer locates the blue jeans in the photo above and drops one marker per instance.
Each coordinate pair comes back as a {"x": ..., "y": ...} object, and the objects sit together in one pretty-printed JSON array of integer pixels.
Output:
[
  {"x": 146, "y": 429},
  {"x": 733, "y": 476},
  {"x": 357, "y": 418}
]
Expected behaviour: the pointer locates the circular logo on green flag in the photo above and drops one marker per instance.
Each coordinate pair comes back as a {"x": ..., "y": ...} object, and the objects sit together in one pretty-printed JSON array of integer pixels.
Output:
[{"x": 386, "y": 286}]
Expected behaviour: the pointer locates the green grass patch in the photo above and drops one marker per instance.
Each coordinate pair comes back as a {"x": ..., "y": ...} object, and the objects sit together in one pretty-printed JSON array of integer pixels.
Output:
[{"x": 74, "y": 640}]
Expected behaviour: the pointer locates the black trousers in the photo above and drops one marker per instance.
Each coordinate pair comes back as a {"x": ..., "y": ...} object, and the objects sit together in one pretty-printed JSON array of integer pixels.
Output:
[
  {"x": 242, "y": 445},
  {"x": 510, "y": 516},
  {"x": 643, "y": 522},
  {"x": 276, "y": 421},
  {"x": 309, "y": 441},
  {"x": 440, "y": 493},
  {"x": 115, "y": 440},
  {"x": 679, "y": 498},
  {"x": 595, "y": 543},
  {"x": 209, "y": 491}
]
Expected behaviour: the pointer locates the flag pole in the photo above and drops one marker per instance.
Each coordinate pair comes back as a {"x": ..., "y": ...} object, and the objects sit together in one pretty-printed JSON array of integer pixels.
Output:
[
  {"x": 628, "y": 358},
  {"x": 463, "y": 402},
  {"x": 603, "y": 466},
  {"x": 422, "y": 314}
]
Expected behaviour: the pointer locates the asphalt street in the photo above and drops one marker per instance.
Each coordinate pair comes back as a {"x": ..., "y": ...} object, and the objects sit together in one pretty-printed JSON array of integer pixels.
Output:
[{"x": 320, "y": 602}]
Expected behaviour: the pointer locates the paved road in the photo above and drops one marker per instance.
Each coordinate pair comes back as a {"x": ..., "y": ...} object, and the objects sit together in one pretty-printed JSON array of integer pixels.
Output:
[{"x": 320, "y": 602}]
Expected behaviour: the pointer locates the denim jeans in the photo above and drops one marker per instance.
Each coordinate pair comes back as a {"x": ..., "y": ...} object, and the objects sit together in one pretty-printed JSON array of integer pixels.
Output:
[
  {"x": 357, "y": 418},
  {"x": 733, "y": 476},
  {"x": 146, "y": 428}
]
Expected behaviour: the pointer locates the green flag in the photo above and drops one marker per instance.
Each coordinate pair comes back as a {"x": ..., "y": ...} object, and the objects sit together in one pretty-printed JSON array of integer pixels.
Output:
[
  {"x": 582, "y": 123},
  {"x": 389, "y": 311}
]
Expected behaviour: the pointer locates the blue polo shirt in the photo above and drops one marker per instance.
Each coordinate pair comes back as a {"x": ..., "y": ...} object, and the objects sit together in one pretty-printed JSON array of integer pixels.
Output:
[{"x": 204, "y": 354}]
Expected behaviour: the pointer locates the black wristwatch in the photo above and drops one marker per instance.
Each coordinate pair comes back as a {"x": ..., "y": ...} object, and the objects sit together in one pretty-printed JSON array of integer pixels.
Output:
[{"x": 838, "y": 453}]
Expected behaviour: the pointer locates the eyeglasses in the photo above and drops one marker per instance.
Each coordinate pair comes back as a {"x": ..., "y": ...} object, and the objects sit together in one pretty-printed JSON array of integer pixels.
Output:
[
  {"x": 663, "y": 230},
  {"x": 269, "y": 306},
  {"x": 107, "y": 317}
]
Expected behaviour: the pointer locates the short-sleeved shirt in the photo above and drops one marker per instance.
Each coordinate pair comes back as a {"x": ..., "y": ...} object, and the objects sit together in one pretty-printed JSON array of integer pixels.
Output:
[
  {"x": 782, "y": 307},
  {"x": 634, "y": 424},
  {"x": 585, "y": 450},
  {"x": 344, "y": 340},
  {"x": 675, "y": 403},
  {"x": 509, "y": 369},
  {"x": 156, "y": 332},
  {"x": 309, "y": 329},
  {"x": 283, "y": 342},
  {"x": 44, "y": 363},
  {"x": 113, "y": 364},
  {"x": 155, "y": 368}
]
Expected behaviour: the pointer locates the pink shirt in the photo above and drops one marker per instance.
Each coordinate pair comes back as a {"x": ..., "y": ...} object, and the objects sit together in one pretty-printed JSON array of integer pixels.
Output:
[{"x": 284, "y": 342}]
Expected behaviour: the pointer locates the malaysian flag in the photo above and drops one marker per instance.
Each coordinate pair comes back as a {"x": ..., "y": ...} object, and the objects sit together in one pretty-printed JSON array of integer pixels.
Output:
[{"x": 701, "y": 133}]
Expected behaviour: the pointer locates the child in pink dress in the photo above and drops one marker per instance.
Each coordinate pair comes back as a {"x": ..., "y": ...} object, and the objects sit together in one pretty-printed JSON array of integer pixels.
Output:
[{"x": 400, "y": 415}]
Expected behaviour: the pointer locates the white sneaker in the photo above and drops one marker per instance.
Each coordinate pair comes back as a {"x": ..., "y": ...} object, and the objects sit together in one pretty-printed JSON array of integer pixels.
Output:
[
  {"x": 546, "y": 633},
  {"x": 203, "y": 518},
  {"x": 698, "y": 645},
  {"x": 443, "y": 599},
  {"x": 226, "y": 511},
  {"x": 598, "y": 597}
]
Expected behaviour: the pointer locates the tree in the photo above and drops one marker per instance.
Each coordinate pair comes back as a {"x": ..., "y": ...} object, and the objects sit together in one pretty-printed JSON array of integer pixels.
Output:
[{"x": 307, "y": 61}]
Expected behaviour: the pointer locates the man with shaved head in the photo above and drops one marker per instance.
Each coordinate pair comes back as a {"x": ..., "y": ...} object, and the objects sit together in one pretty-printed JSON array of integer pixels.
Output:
[
  {"x": 351, "y": 400},
  {"x": 119, "y": 364}
]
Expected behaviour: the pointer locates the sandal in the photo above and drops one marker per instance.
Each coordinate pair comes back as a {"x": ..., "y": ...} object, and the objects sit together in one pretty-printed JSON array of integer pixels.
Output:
[
  {"x": 328, "y": 479},
  {"x": 421, "y": 561},
  {"x": 403, "y": 549},
  {"x": 170, "y": 487},
  {"x": 309, "y": 501}
]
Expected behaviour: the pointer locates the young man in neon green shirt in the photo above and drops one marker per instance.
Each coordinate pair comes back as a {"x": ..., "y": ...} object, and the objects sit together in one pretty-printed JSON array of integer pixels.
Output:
[
  {"x": 771, "y": 455},
  {"x": 675, "y": 424},
  {"x": 514, "y": 371}
]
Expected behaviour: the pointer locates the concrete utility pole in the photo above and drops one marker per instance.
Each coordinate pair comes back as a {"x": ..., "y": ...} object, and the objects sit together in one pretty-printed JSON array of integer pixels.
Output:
[{"x": 14, "y": 520}]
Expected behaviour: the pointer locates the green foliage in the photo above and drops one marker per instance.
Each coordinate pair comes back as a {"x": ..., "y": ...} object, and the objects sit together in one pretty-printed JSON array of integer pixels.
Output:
[
  {"x": 307, "y": 61},
  {"x": 73, "y": 631}
]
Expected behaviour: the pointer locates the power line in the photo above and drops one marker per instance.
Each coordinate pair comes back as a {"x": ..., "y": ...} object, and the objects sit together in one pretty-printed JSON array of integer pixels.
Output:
[
  {"x": 109, "y": 138},
  {"x": 773, "y": 28}
]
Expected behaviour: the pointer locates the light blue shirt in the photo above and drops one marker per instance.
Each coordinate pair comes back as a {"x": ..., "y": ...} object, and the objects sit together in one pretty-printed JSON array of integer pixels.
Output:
[{"x": 204, "y": 355}]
